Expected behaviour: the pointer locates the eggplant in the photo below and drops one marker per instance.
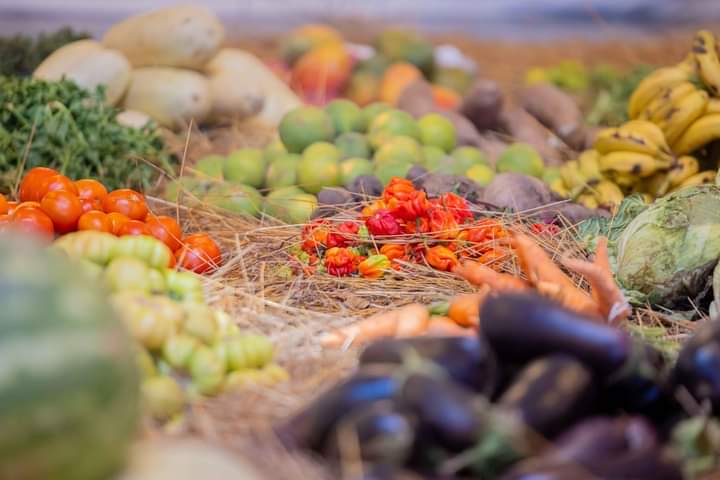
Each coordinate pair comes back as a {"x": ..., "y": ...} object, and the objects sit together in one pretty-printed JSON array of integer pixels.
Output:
[
  {"x": 551, "y": 393},
  {"x": 447, "y": 413},
  {"x": 309, "y": 428},
  {"x": 521, "y": 327},
  {"x": 467, "y": 360},
  {"x": 383, "y": 435},
  {"x": 605, "y": 448},
  {"x": 698, "y": 365}
]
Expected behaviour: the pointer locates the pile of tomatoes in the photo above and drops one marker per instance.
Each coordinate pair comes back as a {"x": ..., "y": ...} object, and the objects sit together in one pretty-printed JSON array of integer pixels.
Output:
[{"x": 51, "y": 204}]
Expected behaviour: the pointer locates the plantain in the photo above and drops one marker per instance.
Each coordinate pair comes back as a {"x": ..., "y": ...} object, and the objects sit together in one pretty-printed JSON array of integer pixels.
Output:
[
  {"x": 701, "y": 132},
  {"x": 637, "y": 164},
  {"x": 688, "y": 64},
  {"x": 623, "y": 180},
  {"x": 651, "y": 85},
  {"x": 713, "y": 105},
  {"x": 588, "y": 200},
  {"x": 558, "y": 186},
  {"x": 628, "y": 139},
  {"x": 572, "y": 176},
  {"x": 705, "y": 50},
  {"x": 607, "y": 194},
  {"x": 661, "y": 105},
  {"x": 683, "y": 168},
  {"x": 656, "y": 184},
  {"x": 588, "y": 162},
  {"x": 701, "y": 178},
  {"x": 684, "y": 112}
]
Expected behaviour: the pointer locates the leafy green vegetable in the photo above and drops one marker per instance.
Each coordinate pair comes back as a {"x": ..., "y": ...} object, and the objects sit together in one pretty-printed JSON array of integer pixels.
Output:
[
  {"x": 62, "y": 126},
  {"x": 20, "y": 54},
  {"x": 611, "y": 94}
]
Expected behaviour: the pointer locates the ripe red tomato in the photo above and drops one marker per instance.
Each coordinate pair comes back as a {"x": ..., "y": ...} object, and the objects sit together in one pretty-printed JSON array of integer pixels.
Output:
[
  {"x": 56, "y": 183},
  {"x": 165, "y": 229},
  {"x": 128, "y": 202},
  {"x": 63, "y": 208},
  {"x": 95, "y": 220},
  {"x": 12, "y": 205},
  {"x": 194, "y": 259},
  {"x": 117, "y": 220},
  {"x": 204, "y": 242},
  {"x": 90, "y": 189},
  {"x": 89, "y": 204},
  {"x": 4, "y": 207},
  {"x": 32, "y": 182},
  {"x": 133, "y": 227},
  {"x": 30, "y": 204},
  {"x": 34, "y": 221}
]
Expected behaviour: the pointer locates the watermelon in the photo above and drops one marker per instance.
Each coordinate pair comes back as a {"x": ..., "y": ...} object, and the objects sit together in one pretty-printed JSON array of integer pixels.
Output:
[{"x": 69, "y": 385}]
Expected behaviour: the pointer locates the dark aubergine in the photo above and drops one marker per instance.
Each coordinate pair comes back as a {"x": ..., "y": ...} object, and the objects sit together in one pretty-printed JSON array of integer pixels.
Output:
[
  {"x": 383, "y": 435},
  {"x": 521, "y": 327},
  {"x": 622, "y": 448},
  {"x": 309, "y": 428},
  {"x": 448, "y": 414},
  {"x": 698, "y": 365},
  {"x": 551, "y": 393},
  {"x": 467, "y": 360}
]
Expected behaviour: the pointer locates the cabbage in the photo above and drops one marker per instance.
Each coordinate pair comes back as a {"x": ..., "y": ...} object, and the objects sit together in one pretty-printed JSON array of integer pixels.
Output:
[{"x": 665, "y": 256}]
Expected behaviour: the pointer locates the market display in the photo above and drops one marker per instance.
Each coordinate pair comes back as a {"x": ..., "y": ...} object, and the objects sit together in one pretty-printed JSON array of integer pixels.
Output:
[{"x": 361, "y": 259}]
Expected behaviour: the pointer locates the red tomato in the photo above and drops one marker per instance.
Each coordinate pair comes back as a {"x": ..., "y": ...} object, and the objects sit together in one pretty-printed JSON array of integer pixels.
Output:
[
  {"x": 32, "y": 182},
  {"x": 133, "y": 227},
  {"x": 56, "y": 183},
  {"x": 95, "y": 220},
  {"x": 128, "y": 202},
  {"x": 90, "y": 189},
  {"x": 64, "y": 208},
  {"x": 204, "y": 242},
  {"x": 117, "y": 220},
  {"x": 194, "y": 259},
  {"x": 31, "y": 204},
  {"x": 165, "y": 229},
  {"x": 4, "y": 207},
  {"x": 11, "y": 205},
  {"x": 34, "y": 221},
  {"x": 89, "y": 204}
]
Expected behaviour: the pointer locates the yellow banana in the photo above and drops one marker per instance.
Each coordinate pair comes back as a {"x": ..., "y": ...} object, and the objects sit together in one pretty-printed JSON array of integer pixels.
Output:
[
  {"x": 688, "y": 64},
  {"x": 683, "y": 113},
  {"x": 713, "y": 105},
  {"x": 589, "y": 165},
  {"x": 701, "y": 178},
  {"x": 659, "y": 107},
  {"x": 611, "y": 140},
  {"x": 647, "y": 198},
  {"x": 706, "y": 56},
  {"x": 701, "y": 132},
  {"x": 622, "y": 180},
  {"x": 571, "y": 175},
  {"x": 558, "y": 186},
  {"x": 656, "y": 184},
  {"x": 637, "y": 164},
  {"x": 651, "y": 85},
  {"x": 607, "y": 194},
  {"x": 588, "y": 200},
  {"x": 684, "y": 168}
]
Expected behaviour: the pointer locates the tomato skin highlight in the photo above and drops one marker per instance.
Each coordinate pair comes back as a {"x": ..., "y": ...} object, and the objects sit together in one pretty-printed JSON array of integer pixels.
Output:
[
  {"x": 64, "y": 209},
  {"x": 133, "y": 227},
  {"x": 194, "y": 259},
  {"x": 11, "y": 206},
  {"x": 117, "y": 220},
  {"x": 95, "y": 220},
  {"x": 34, "y": 221},
  {"x": 204, "y": 242},
  {"x": 32, "y": 182},
  {"x": 56, "y": 183},
  {"x": 165, "y": 229},
  {"x": 89, "y": 204},
  {"x": 89, "y": 188},
  {"x": 126, "y": 201}
]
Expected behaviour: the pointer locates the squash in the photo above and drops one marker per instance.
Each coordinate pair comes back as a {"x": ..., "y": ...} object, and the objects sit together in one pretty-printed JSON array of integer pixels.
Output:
[
  {"x": 70, "y": 385},
  {"x": 89, "y": 64},
  {"x": 182, "y": 36},
  {"x": 252, "y": 83},
  {"x": 170, "y": 96}
]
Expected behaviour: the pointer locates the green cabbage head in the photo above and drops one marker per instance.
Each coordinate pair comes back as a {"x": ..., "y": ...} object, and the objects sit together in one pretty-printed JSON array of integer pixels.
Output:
[{"x": 667, "y": 253}]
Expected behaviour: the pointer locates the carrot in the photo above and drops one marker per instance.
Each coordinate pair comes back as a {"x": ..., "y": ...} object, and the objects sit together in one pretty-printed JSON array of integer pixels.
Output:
[
  {"x": 410, "y": 320},
  {"x": 479, "y": 274},
  {"x": 465, "y": 309},
  {"x": 446, "y": 327}
]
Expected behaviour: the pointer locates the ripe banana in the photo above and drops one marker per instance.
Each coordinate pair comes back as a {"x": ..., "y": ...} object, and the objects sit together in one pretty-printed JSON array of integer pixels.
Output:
[
  {"x": 622, "y": 180},
  {"x": 701, "y": 132},
  {"x": 651, "y": 85},
  {"x": 684, "y": 168},
  {"x": 588, "y": 200},
  {"x": 688, "y": 64},
  {"x": 647, "y": 198},
  {"x": 589, "y": 165},
  {"x": 656, "y": 184},
  {"x": 637, "y": 164},
  {"x": 558, "y": 186},
  {"x": 683, "y": 113},
  {"x": 648, "y": 130},
  {"x": 713, "y": 105},
  {"x": 629, "y": 139},
  {"x": 571, "y": 175},
  {"x": 607, "y": 194},
  {"x": 706, "y": 56},
  {"x": 708, "y": 176},
  {"x": 659, "y": 107}
]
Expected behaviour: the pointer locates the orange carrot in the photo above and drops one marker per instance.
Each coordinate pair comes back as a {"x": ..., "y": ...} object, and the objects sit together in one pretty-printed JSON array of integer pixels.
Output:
[
  {"x": 446, "y": 327},
  {"x": 408, "y": 321},
  {"x": 479, "y": 274},
  {"x": 465, "y": 309}
]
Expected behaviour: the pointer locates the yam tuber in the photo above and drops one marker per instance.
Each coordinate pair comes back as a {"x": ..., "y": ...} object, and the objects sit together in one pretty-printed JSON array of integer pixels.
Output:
[
  {"x": 482, "y": 104},
  {"x": 556, "y": 110},
  {"x": 525, "y": 128}
]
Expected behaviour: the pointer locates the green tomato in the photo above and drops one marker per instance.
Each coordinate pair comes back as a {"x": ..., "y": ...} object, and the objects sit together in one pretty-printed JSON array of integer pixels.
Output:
[
  {"x": 149, "y": 249},
  {"x": 200, "y": 322},
  {"x": 127, "y": 274},
  {"x": 150, "y": 319},
  {"x": 184, "y": 286},
  {"x": 162, "y": 397},
  {"x": 178, "y": 349},
  {"x": 145, "y": 363},
  {"x": 97, "y": 247},
  {"x": 207, "y": 371}
]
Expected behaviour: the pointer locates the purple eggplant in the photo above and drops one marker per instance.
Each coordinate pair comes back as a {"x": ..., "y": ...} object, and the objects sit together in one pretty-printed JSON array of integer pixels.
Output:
[
  {"x": 309, "y": 428},
  {"x": 380, "y": 433},
  {"x": 467, "y": 360},
  {"x": 521, "y": 327},
  {"x": 551, "y": 393},
  {"x": 604, "y": 448},
  {"x": 698, "y": 365},
  {"x": 447, "y": 413}
]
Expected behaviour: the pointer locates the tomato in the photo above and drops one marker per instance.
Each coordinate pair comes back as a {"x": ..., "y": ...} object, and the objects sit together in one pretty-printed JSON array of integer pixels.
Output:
[
  {"x": 64, "y": 209},
  {"x": 32, "y": 182},
  {"x": 89, "y": 204},
  {"x": 31, "y": 204},
  {"x": 128, "y": 202},
  {"x": 117, "y": 220},
  {"x": 90, "y": 189},
  {"x": 165, "y": 229},
  {"x": 4, "y": 207},
  {"x": 95, "y": 220},
  {"x": 133, "y": 227},
  {"x": 57, "y": 183},
  {"x": 148, "y": 249},
  {"x": 34, "y": 221},
  {"x": 194, "y": 259},
  {"x": 204, "y": 242},
  {"x": 11, "y": 206}
]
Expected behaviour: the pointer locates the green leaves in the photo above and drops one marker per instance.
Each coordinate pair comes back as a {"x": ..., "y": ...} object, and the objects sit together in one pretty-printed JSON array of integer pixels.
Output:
[
  {"x": 60, "y": 125},
  {"x": 21, "y": 53}
]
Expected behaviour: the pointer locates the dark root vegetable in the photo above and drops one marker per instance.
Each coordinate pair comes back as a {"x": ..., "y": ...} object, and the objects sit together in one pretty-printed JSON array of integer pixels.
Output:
[
  {"x": 517, "y": 192},
  {"x": 482, "y": 104},
  {"x": 698, "y": 365},
  {"x": 557, "y": 111},
  {"x": 365, "y": 186}
]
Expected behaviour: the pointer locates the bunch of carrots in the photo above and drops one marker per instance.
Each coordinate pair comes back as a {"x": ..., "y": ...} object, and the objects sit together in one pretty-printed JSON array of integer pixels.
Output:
[{"x": 50, "y": 204}]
